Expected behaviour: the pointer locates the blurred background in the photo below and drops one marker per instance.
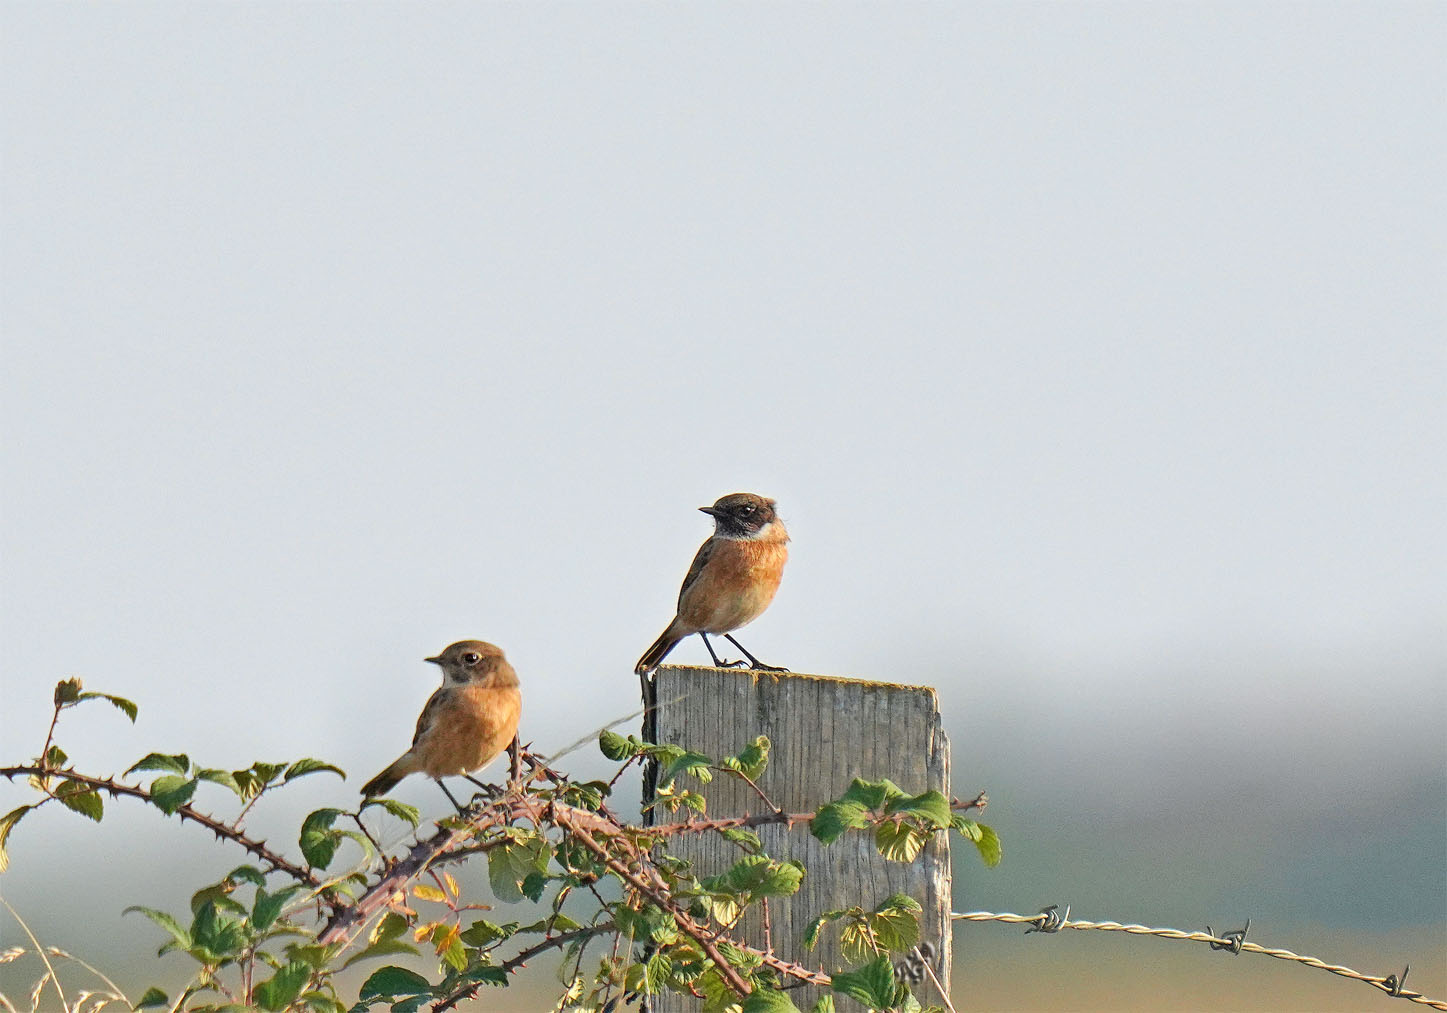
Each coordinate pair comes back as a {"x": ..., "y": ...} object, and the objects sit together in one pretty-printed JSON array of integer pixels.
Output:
[{"x": 1094, "y": 354}]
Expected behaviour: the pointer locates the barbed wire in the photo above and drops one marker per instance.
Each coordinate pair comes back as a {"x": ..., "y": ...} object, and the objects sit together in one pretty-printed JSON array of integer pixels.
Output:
[{"x": 1051, "y": 920}]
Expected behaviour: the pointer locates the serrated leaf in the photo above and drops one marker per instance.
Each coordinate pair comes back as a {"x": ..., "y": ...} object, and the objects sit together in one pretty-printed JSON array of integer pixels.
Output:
[
  {"x": 278, "y": 992},
  {"x": 984, "y": 838},
  {"x": 384, "y": 948},
  {"x": 510, "y": 864},
  {"x": 175, "y": 763},
  {"x": 129, "y": 709},
  {"x": 752, "y": 759},
  {"x": 482, "y": 932},
  {"x": 872, "y": 985},
  {"x": 247, "y": 874},
  {"x": 833, "y": 819},
  {"x": 7, "y": 824},
  {"x": 408, "y": 813},
  {"x": 871, "y": 794},
  {"x": 931, "y": 808},
  {"x": 67, "y": 691},
  {"x": 301, "y": 768},
  {"x": 899, "y": 842},
  {"x": 181, "y": 937},
  {"x": 171, "y": 792},
  {"x": 214, "y": 936},
  {"x": 318, "y": 841},
  {"x": 389, "y": 926},
  {"x": 153, "y": 997},
  {"x": 617, "y": 747},
  {"x": 746, "y": 839},
  {"x": 82, "y": 798},
  {"x": 687, "y": 762},
  {"x": 429, "y": 892},
  {"x": 895, "y": 923},
  {"x": 387, "y": 982},
  {"x": 765, "y": 1000},
  {"x": 267, "y": 907},
  {"x": 55, "y": 758},
  {"x": 824, "y": 1005},
  {"x": 225, "y": 778}
]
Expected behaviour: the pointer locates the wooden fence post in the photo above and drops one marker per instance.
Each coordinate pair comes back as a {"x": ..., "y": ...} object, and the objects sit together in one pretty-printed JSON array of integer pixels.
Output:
[{"x": 825, "y": 731}]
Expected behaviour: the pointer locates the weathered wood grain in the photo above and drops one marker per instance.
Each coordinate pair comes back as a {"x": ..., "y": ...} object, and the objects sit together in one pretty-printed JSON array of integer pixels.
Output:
[{"x": 825, "y": 731}]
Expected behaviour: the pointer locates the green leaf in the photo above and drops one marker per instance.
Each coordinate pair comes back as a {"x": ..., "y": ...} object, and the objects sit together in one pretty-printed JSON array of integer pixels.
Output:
[
  {"x": 278, "y": 992},
  {"x": 389, "y": 926},
  {"x": 385, "y": 948},
  {"x": 986, "y": 841},
  {"x": 758, "y": 876},
  {"x": 824, "y": 1005},
  {"x": 247, "y": 874},
  {"x": 656, "y": 970},
  {"x": 811, "y": 931},
  {"x": 130, "y": 709},
  {"x": 225, "y": 778},
  {"x": 872, "y": 985},
  {"x": 180, "y": 935},
  {"x": 309, "y": 766},
  {"x": 899, "y": 842},
  {"x": 482, "y": 932},
  {"x": 746, "y": 839},
  {"x": 67, "y": 691},
  {"x": 895, "y": 923},
  {"x": 177, "y": 763},
  {"x": 833, "y": 819},
  {"x": 767, "y": 1000},
  {"x": 510, "y": 864},
  {"x": 170, "y": 792},
  {"x": 871, "y": 794},
  {"x": 55, "y": 758},
  {"x": 214, "y": 936},
  {"x": 318, "y": 841},
  {"x": 687, "y": 763},
  {"x": 153, "y": 997},
  {"x": 82, "y": 798},
  {"x": 7, "y": 824},
  {"x": 407, "y": 813},
  {"x": 751, "y": 760},
  {"x": 617, "y": 748},
  {"x": 267, "y": 907},
  {"x": 931, "y": 808},
  {"x": 387, "y": 982}
]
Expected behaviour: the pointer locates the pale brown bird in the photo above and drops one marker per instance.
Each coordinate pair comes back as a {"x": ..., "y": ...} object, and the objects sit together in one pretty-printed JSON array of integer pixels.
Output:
[
  {"x": 465, "y": 724},
  {"x": 732, "y": 580}
]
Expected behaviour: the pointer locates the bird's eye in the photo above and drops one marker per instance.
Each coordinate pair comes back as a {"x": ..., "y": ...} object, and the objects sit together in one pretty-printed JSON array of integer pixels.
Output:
[
  {"x": 747, "y": 509},
  {"x": 471, "y": 658}
]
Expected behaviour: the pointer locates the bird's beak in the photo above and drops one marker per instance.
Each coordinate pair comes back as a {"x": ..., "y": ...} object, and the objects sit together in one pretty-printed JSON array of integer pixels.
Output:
[
  {"x": 435, "y": 661},
  {"x": 711, "y": 511}
]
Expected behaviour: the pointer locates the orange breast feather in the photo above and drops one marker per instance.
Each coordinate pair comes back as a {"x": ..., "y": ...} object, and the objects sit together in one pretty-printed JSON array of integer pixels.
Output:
[{"x": 476, "y": 725}]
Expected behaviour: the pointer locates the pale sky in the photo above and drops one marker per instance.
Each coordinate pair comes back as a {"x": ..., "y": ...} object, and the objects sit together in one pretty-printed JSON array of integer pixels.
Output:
[{"x": 1095, "y": 355}]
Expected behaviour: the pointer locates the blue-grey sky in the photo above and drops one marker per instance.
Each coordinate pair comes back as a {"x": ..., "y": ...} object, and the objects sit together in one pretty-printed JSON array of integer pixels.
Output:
[{"x": 1095, "y": 354}]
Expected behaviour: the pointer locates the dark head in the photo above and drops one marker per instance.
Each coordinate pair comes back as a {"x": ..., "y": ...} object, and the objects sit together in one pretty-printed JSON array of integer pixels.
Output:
[
  {"x": 742, "y": 515},
  {"x": 474, "y": 661}
]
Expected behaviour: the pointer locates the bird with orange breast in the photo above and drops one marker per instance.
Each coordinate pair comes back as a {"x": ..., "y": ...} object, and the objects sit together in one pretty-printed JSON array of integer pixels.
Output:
[
  {"x": 465, "y": 724},
  {"x": 732, "y": 580}
]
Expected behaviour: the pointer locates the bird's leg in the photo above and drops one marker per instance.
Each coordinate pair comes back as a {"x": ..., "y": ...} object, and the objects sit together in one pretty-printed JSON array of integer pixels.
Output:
[
  {"x": 454, "y": 801},
  {"x": 515, "y": 762},
  {"x": 755, "y": 662},
  {"x": 490, "y": 790},
  {"x": 717, "y": 663}
]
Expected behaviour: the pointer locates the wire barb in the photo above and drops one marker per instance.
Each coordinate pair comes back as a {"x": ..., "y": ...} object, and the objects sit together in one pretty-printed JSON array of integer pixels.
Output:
[
  {"x": 1050, "y": 919},
  {"x": 1230, "y": 940}
]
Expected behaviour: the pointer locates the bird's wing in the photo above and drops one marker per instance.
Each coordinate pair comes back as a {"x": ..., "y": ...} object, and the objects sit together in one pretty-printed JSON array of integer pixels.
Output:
[
  {"x": 429, "y": 714},
  {"x": 699, "y": 562}
]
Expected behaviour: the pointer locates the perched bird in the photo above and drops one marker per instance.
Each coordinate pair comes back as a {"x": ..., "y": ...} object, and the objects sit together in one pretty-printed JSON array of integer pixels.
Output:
[
  {"x": 466, "y": 723},
  {"x": 732, "y": 580}
]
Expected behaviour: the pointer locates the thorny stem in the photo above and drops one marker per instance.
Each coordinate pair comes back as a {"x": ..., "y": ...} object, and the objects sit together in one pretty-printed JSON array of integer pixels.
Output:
[{"x": 220, "y": 828}]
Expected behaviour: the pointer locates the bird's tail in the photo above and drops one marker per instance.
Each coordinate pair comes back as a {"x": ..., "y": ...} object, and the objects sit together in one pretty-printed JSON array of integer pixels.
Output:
[
  {"x": 653, "y": 657},
  {"x": 389, "y": 778}
]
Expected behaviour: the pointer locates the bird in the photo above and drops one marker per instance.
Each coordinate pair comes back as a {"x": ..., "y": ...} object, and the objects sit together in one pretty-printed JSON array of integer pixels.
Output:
[
  {"x": 465, "y": 724},
  {"x": 732, "y": 580}
]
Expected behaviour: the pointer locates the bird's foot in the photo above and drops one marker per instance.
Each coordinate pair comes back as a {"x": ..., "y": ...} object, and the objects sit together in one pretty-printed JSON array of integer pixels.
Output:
[{"x": 759, "y": 666}]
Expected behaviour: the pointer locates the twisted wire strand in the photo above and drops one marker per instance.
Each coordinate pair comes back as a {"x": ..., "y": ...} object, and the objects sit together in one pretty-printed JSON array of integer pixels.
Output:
[{"x": 1049, "y": 921}]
